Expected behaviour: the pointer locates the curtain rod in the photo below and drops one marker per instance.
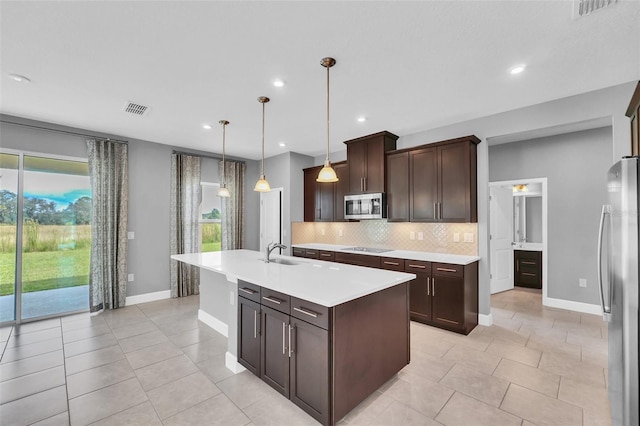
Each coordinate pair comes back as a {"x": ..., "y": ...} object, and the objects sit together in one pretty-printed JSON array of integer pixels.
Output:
[
  {"x": 204, "y": 155},
  {"x": 64, "y": 132}
]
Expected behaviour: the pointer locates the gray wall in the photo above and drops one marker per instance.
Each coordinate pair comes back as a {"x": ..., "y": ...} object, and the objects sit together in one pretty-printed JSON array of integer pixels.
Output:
[
  {"x": 534, "y": 217},
  {"x": 149, "y": 186},
  {"x": 575, "y": 166}
]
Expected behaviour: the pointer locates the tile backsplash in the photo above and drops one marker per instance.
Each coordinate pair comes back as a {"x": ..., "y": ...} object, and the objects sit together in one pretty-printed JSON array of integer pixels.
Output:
[{"x": 436, "y": 237}]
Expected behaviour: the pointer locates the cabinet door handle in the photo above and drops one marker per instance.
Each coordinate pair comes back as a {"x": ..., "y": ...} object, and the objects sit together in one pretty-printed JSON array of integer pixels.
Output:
[
  {"x": 362, "y": 184},
  {"x": 417, "y": 266},
  {"x": 527, "y": 263},
  {"x": 391, "y": 263},
  {"x": 272, "y": 300},
  {"x": 365, "y": 183},
  {"x": 440, "y": 211},
  {"x": 306, "y": 312},
  {"x": 291, "y": 341},
  {"x": 435, "y": 211},
  {"x": 325, "y": 254},
  {"x": 284, "y": 348},
  {"x": 528, "y": 274},
  {"x": 433, "y": 287},
  {"x": 428, "y": 284},
  {"x": 247, "y": 290},
  {"x": 447, "y": 270},
  {"x": 255, "y": 324}
]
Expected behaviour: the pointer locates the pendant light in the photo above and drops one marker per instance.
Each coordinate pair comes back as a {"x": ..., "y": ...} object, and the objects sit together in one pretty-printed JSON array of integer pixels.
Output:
[
  {"x": 327, "y": 174},
  {"x": 223, "y": 191},
  {"x": 262, "y": 185}
]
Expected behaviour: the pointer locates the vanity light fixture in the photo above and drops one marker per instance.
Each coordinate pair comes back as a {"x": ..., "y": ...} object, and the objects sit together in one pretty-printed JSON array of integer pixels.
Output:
[
  {"x": 223, "y": 191},
  {"x": 521, "y": 187},
  {"x": 327, "y": 174},
  {"x": 262, "y": 185}
]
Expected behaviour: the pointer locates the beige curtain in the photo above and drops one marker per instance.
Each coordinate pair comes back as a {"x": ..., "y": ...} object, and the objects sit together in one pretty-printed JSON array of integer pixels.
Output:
[
  {"x": 108, "y": 171},
  {"x": 186, "y": 196},
  {"x": 233, "y": 207}
]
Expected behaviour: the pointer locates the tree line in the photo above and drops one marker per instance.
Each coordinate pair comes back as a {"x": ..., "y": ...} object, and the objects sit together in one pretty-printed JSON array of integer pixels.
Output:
[{"x": 44, "y": 212}]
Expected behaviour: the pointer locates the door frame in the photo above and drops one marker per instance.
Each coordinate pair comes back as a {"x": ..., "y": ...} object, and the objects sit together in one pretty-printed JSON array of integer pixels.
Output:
[
  {"x": 545, "y": 239},
  {"x": 262, "y": 242}
]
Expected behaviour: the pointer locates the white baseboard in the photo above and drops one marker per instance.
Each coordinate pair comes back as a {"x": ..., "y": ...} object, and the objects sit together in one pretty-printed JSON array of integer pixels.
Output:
[
  {"x": 148, "y": 297},
  {"x": 213, "y": 322},
  {"x": 486, "y": 320},
  {"x": 570, "y": 305},
  {"x": 231, "y": 362}
]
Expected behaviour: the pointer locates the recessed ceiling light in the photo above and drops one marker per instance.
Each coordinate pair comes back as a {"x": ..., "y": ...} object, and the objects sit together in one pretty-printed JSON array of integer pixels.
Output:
[
  {"x": 278, "y": 83},
  {"x": 206, "y": 126},
  {"x": 19, "y": 78},
  {"x": 361, "y": 119},
  {"x": 282, "y": 144},
  {"x": 517, "y": 69}
]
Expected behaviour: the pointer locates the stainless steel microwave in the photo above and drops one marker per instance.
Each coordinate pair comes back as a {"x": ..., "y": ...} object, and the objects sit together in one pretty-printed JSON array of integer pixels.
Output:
[{"x": 365, "y": 206}]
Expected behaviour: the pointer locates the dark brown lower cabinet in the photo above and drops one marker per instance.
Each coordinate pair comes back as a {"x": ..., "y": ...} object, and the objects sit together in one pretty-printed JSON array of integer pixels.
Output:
[
  {"x": 528, "y": 268},
  {"x": 325, "y": 360}
]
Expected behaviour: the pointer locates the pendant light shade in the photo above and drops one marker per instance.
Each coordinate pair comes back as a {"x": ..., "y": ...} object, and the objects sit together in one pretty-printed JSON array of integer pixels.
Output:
[
  {"x": 327, "y": 174},
  {"x": 223, "y": 191},
  {"x": 262, "y": 185}
]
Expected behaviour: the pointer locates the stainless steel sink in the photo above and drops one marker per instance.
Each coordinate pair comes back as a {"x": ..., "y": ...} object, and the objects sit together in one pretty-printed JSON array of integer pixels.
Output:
[
  {"x": 368, "y": 249},
  {"x": 281, "y": 261}
]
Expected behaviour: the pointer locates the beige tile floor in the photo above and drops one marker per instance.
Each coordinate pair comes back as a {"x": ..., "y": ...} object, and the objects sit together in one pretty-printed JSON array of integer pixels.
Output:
[{"x": 155, "y": 364}]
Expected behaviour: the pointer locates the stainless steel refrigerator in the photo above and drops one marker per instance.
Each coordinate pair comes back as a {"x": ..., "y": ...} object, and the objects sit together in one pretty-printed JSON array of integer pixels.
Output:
[{"x": 618, "y": 278}]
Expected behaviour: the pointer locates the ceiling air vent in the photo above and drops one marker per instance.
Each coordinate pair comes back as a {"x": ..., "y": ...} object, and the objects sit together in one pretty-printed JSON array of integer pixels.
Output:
[
  {"x": 585, "y": 7},
  {"x": 136, "y": 109}
]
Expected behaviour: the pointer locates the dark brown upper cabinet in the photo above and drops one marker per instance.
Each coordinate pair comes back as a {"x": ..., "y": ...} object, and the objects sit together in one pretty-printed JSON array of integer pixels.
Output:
[
  {"x": 366, "y": 157},
  {"x": 443, "y": 181},
  {"x": 323, "y": 200},
  {"x": 398, "y": 187},
  {"x": 633, "y": 112}
]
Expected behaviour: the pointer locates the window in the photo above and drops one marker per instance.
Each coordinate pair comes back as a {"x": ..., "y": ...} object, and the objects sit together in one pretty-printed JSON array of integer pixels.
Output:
[{"x": 210, "y": 216}]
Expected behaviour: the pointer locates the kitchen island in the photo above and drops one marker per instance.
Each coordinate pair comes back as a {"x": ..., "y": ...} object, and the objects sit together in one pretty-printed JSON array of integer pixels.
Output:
[{"x": 325, "y": 335}]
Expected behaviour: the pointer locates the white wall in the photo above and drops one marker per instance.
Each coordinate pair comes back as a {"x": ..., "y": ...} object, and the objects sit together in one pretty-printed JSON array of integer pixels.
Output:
[{"x": 149, "y": 187}]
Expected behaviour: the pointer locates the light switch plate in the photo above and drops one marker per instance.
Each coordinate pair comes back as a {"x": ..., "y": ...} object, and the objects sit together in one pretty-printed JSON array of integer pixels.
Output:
[
  {"x": 339, "y": 232},
  {"x": 130, "y": 278},
  {"x": 322, "y": 231},
  {"x": 131, "y": 235},
  {"x": 582, "y": 282},
  {"x": 412, "y": 235},
  {"x": 456, "y": 237},
  {"x": 468, "y": 237},
  {"x": 420, "y": 236}
]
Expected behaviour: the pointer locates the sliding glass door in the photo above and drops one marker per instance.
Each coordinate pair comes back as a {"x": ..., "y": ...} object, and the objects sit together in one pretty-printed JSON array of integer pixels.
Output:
[{"x": 51, "y": 255}]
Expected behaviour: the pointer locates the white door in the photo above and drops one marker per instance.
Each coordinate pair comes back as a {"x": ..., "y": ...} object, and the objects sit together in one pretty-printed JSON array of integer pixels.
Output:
[
  {"x": 501, "y": 236},
  {"x": 271, "y": 218}
]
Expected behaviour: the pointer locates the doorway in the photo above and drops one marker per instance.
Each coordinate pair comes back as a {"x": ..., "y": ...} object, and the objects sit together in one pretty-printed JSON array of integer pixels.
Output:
[
  {"x": 271, "y": 224},
  {"x": 45, "y": 236},
  {"x": 508, "y": 231}
]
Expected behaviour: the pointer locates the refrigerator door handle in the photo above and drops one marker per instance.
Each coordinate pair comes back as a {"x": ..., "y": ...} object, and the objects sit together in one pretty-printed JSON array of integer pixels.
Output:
[{"x": 606, "y": 310}]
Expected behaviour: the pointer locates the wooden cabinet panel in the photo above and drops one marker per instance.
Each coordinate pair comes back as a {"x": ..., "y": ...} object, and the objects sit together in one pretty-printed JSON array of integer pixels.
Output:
[
  {"x": 310, "y": 176},
  {"x": 249, "y": 291},
  {"x": 310, "y": 312},
  {"x": 420, "y": 298},
  {"x": 366, "y": 158},
  {"x": 392, "y": 264},
  {"x": 298, "y": 252},
  {"x": 454, "y": 183},
  {"x": 528, "y": 268},
  {"x": 309, "y": 369},
  {"x": 249, "y": 335},
  {"x": 447, "y": 301},
  {"x": 324, "y": 200},
  {"x": 398, "y": 187},
  {"x": 320, "y": 197},
  {"x": 329, "y": 256},
  {"x": 311, "y": 253},
  {"x": 275, "y": 300},
  {"x": 341, "y": 189},
  {"x": 358, "y": 259},
  {"x": 275, "y": 356},
  {"x": 633, "y": 112},
  {"x": 423, "y": 192}
]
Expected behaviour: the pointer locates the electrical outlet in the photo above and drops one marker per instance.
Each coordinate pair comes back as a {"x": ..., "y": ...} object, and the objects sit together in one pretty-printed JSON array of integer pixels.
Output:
[
  {"x": 322, "y": 231},
  {"x": 232, "y": 298},
  {"x": 582, "y": 282},
  {"x": 468, "y": 237},
  {"x": 131, "y": 235},
  {"x": 420, "y": 236},
  {"x": 456, "y": 237},
  {"x": 130, "y": 278},
  {"x": 339, "y": 232},
  {"x": 412, "y": 235}
]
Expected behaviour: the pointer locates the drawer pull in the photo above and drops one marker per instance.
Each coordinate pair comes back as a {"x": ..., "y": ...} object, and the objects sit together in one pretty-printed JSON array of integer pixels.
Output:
[
  {"x": 247, "y": 290},
  {"x": 417, "y": 266},
  {"x": 527, "y": 263},
  {"x": 325, "y": 254},
  {"x": 528, "y": 274},
  {"x": 447, "y": 270},
  {"x": 272, "y": 300},
  {"x": 306, "y": 312},
  {"x": 391, "y": 263}
]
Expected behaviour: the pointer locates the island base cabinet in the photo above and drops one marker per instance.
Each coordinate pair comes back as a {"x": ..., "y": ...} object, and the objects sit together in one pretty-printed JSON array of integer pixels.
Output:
[
  {"x": 249, "y": 321},
  {"x": 309, "y": 369},
  {"x": 420, "y": 298},
  {"x": 275, "y": 350}
]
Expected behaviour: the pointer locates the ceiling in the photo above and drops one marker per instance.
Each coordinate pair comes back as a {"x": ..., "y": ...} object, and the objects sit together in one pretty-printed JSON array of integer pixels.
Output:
[{"x": 405, "y": 66}]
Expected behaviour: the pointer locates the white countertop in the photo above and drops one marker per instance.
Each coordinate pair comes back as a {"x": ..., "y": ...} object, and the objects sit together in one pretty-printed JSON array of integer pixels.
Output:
[
  {"x": 455, "y": 259},
  {"x": 527, "y": 246},
  {"x": 326, "y": 283}
]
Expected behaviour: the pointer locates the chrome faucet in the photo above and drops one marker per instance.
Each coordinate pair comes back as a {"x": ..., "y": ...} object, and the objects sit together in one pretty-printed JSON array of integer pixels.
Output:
[{"x": 271, "y": 247}]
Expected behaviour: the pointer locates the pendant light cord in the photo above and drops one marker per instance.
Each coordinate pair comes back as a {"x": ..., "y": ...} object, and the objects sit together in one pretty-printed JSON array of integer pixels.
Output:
[
  {"x": 263, "y": 139},
  {"x": 328, "y": 114},
  {"x": 224, "y": 166}
]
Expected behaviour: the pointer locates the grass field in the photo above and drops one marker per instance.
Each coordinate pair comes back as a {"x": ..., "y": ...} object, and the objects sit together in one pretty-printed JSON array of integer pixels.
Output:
[{"x": 59, "y": 256}]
